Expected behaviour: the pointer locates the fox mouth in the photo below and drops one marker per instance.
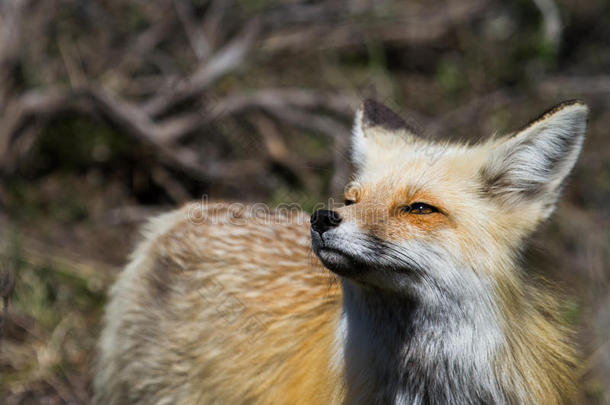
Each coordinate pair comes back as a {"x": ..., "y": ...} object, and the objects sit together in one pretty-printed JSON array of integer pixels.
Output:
[
  {"x": 374, "y": 256},
  {"x": 335, "y": 259}
]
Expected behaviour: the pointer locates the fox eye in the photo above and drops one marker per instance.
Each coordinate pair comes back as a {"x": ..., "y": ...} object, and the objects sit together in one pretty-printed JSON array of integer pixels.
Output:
[
  {"x": 349, "y": 202},
  {"x": 419, "y": 208}
]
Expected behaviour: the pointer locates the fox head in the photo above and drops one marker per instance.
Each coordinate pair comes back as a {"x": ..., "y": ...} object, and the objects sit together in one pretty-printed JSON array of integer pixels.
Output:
[{"x": 422, "y": 216}]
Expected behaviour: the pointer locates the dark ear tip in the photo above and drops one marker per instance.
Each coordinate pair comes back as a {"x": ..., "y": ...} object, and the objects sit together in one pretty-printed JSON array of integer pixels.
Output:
[
  {"x": 563, "y": 105},
  {"x": 375, "y": 113},
  {"x": 369, "y": 103},
  {"x": 567, "y": 103},
  {"x": 555, "y": 109}
]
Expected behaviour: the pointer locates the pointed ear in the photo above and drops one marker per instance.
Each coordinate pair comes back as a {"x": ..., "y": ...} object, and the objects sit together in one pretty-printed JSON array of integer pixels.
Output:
[
  {"x": 532, "y": 165},
  {"x": 373, "y": 118}
]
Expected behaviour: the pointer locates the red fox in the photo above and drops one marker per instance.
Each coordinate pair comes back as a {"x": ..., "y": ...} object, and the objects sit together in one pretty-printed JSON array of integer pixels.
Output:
[{"x": 425, "y": 301}]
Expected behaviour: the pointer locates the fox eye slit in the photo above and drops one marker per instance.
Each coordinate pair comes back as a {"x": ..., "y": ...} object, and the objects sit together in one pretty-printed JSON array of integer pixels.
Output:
[
  {"x": 418, "y": 208},
  {"x": 348, "y": 202}
]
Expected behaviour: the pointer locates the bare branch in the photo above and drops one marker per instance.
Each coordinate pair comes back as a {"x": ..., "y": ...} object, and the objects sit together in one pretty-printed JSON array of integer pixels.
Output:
[
  {"x": 69, "y": 55},
  {"x": 409, "y": 25},
  {"x": 40, "y": 105},
  {"x": 221, "y": 63},
  {"x": 197, "y": 39},
  {"x": 175, "y": 127},
  {"x": 135, "y": 51},
  {"x": 279, "y": 153}
]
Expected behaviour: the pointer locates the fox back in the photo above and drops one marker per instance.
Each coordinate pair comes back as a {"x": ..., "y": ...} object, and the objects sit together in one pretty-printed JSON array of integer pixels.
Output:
[{"x": 425, "y": 302}]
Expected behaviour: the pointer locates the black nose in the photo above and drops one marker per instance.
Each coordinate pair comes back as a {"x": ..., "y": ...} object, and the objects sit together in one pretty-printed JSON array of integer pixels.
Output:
[{"x": 323, "y": 220}]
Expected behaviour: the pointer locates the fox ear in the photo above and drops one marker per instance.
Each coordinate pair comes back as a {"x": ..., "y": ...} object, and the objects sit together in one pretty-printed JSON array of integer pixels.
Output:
[
  {"x": 371, "y": 119},
  {"x": 533, "y": 164}
]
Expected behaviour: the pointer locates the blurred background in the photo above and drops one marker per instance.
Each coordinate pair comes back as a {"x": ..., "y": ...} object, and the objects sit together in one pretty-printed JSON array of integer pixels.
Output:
[{"x": 112, "y": 111}]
